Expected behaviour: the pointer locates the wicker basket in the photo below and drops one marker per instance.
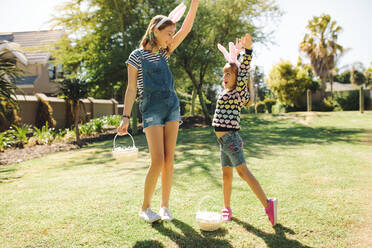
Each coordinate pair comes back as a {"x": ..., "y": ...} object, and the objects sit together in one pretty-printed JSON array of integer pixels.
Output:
[
  {"x": 208, "y": 221},
  {"x": 125, "y": 154}
]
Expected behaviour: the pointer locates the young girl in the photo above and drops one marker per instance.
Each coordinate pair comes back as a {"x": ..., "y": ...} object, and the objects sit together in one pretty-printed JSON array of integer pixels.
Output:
[
  {"x": 148, "y": 71},
  {"x": 226, "y": 124}
]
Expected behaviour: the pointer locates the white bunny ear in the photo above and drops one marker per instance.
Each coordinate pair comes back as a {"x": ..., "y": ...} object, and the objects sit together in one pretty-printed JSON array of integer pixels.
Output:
[
  {"x": 177, "y": 13},
  {"x": 224, "y": 52}
]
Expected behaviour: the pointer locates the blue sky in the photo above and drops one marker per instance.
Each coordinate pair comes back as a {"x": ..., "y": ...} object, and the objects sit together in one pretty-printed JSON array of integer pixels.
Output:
[{"x": 353, "y": 16}]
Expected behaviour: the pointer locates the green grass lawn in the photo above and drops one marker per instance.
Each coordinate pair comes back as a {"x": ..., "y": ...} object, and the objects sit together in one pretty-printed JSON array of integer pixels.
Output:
[{"x": 318, "y": 165}]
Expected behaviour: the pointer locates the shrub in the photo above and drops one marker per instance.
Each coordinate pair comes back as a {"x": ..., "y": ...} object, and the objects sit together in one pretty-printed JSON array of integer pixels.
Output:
[
  {"x": 97, "y": 125},
  {"x": 329, "y": 104},
  {"x": 86, "y": 129},
  {"x": 349, "y": 100},
  {"x": 43, "y": 135},
  {"x": 59, "y": 134},
  {"x": 260, "y": 107},
  {"x": 20, "y": 135},
  {"x": 269, "y": 103},
  {"x": 6, "y": 140},
  {"x": 248, "y": 110},
  {"x": 93, "y": 126},
  {"x": 112, "y": 120},
  {"x": 44, "y": 114},
  {"x": 290, "y": 83},
  {"x": 9, "y": 116},
  {"x": 70, "y": 135},
  {"x": 279, "y": 108}
]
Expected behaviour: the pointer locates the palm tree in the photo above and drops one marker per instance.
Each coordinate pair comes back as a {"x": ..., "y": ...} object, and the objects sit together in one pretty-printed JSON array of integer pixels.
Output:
[
  {"x": 336, "y": 67},
  {"x": 9, "y": 73},
  {"x": 74, "y": 90},
  {"x": 320, "y": 46}
]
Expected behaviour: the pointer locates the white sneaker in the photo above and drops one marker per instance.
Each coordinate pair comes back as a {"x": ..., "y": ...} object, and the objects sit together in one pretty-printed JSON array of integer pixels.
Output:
[
  {"x": 149, "y": 216},
  {"x": 165, "y": 214}
]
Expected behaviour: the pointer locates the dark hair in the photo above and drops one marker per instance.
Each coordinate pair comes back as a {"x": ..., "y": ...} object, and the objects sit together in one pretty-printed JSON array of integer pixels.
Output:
[{"x": 149, "y": 37}]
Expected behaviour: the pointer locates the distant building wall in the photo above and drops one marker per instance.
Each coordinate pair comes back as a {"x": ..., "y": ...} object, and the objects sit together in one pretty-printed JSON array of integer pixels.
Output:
[{"x": 89, "y": 108}]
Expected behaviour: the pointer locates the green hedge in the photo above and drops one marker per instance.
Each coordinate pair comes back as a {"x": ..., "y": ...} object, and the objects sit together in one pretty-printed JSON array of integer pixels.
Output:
[{"x": 349, "y": 100}]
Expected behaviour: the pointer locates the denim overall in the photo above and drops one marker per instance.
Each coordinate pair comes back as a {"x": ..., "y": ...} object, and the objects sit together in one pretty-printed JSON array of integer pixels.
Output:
[{"x": 160, "y": 103}]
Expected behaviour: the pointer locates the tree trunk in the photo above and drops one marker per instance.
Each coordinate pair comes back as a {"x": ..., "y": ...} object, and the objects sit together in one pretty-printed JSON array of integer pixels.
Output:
[
  {"x": 76, "y": 122},
  {"x": 361, "y": 100},
  {"x": 198, "y": 87},
  {"x": 331, "y": 81},
  {"x": 309, "y": 102},
  {"x": 204, "y": 107},
  {"x": 193, "y": 101},
  {"x": 323, "y": 87}
]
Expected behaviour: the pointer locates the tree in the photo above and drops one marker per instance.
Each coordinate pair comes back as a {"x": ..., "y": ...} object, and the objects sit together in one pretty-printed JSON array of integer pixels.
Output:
[
  {"x": 368, "y": 75},
  {"x": 357, "y": 78},
  {"x": 258, "y": 80},
  {"x": 9, "y": 73},
  {"x": 343, "y": 78},
  {"x": 74, "y": 90},
  {"x": 289, "y": 83},
  {"x": 101, "y": 36},
  {"x": 320, "y": 46}
]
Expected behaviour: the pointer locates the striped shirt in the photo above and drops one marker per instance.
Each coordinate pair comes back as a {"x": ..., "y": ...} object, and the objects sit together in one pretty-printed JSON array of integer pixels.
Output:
[{"x": 135, "y": 61}]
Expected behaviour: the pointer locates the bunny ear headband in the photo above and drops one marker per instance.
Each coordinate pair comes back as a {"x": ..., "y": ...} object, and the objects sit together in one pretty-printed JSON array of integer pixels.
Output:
[
  {"x": 175, "y": 15},
  {"x": 232, "y": 56}
]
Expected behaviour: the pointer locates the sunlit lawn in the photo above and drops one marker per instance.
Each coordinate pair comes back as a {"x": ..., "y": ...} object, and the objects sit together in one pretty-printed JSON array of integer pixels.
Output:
[{"x": 318, "y": 165}]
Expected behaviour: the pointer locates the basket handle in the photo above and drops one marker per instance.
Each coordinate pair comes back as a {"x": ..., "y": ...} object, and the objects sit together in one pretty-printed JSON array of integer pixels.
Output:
[
  {"x": 114, "y": 142},
  {"x": 202, "y": 200}
]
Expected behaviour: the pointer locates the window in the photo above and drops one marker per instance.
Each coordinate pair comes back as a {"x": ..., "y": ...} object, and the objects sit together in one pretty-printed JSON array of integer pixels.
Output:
[
  {"x": 59, "y": 71},
  {"x": 52, "y": 71}
]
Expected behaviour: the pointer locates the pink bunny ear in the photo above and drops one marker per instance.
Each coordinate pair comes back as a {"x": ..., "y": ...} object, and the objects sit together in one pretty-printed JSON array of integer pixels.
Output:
[
  {"x": 232, "y": 51},
  {"x": 234, "y": 54},
  {"x": 224, "y": 52},
  {"x": 177, "y": 13},
  {"x": 174, "y": 16}
]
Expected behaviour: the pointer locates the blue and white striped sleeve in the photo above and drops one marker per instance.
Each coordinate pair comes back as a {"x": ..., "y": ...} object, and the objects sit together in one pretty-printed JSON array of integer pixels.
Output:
[{"x": 133, "y": 60}]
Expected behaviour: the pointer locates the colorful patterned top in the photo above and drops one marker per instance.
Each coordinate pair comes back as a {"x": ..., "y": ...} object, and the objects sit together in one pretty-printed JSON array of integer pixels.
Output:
[{"x": 229, "y": 103}]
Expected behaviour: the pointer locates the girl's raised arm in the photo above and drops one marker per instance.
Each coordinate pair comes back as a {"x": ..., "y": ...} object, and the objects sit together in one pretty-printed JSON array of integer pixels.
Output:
[{"x": 186, "y": 26}]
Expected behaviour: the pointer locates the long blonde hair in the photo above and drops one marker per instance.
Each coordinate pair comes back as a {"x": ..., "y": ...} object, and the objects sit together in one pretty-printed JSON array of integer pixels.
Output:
[{"x": 149, "y": 37}]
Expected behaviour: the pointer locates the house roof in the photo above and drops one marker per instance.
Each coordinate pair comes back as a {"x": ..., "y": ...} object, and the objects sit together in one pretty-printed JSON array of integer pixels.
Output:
[
  {"x": 34, "y": 43},
  {"x": 341, "y": 87}
]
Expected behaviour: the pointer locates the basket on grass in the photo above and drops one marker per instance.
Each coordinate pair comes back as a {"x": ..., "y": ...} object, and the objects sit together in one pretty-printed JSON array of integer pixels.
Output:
[
  {"x": 207, "y": 220},
  {"x": 125, "y": 154}
]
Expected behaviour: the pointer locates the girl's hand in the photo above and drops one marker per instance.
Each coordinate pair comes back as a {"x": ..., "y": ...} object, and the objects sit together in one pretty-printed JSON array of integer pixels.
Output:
[
  {"x": 246, "y": 42},
  {"x": 123, "y": 128},
  {"x": 238, "y": 45}
]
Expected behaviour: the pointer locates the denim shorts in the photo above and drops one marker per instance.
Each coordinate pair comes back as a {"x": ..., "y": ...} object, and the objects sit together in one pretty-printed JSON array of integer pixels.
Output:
[
  {"x": 231, "y": 148},
  {"x": 158, "y": 110}
]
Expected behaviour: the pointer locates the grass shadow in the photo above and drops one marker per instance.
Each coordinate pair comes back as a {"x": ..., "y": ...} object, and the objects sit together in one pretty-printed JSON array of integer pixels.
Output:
[
  {"x": 276, "y": 240},
  {"x": 191, "y": 238},
  {"x": 148, "y": 244}
]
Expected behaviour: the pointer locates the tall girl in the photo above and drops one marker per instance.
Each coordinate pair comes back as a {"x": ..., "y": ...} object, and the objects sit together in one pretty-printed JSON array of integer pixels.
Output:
[{"x": 148, "y": 71}]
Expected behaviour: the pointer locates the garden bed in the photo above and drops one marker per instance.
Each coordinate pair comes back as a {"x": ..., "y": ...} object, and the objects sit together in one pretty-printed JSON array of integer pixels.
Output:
[{"x": 18, "y": 155}]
